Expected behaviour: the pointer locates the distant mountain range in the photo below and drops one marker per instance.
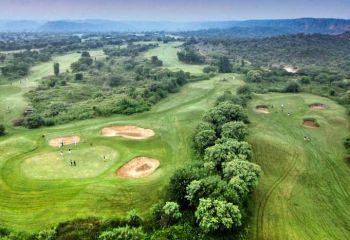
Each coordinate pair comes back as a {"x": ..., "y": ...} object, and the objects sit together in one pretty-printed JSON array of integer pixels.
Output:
[{"x": 302, "y": 25}]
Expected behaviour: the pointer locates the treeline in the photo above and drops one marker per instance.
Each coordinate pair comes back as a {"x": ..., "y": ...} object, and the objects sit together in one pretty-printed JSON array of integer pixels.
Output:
[
  {"x": 330, "y": 51},
  {"x": 131, "y": 50},
  {"x": 190, "y": 56}
]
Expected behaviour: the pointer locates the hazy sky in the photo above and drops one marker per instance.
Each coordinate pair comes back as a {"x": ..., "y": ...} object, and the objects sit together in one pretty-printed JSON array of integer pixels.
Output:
[{"x": 179, "y": 10}]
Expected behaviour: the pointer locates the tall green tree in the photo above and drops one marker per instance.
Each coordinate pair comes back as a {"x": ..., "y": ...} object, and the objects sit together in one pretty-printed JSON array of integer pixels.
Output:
[
  {"x": 215, "y": 215},
  {"x": 56, "y": 69},
  {"x": 224, "y": 65}
]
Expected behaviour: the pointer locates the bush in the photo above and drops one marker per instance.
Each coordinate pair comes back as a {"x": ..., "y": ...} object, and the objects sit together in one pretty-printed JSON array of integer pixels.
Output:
[
  {"x": 292, "y": 87},
  {"x": 133, "y": 219},
  {"x": 347, "y": 143},
  {"x": 123, "y": 233},
  {"x": 2, "y": 130},
  {"x": 33, "y": 121}
]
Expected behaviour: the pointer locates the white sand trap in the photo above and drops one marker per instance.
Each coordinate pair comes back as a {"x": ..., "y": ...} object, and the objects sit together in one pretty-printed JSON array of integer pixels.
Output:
[
  {"x": 138, "y": 167},
  {"x": 129, "y": 131},
  {"x": 317, "y": 106},
  {"x": 57, "y": 142},
  {"x": 262, "y": 109},
  {"x": 290, "y": 68}
]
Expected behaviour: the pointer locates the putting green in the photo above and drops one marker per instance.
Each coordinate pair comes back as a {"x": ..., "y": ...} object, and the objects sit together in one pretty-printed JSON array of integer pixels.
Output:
[{"x": 90, "y": 162}]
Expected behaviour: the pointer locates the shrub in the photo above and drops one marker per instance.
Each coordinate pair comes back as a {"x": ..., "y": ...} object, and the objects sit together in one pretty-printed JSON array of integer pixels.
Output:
[
  {"x": 292, "y": 87},
  {"x": 347, "y": 143},
  {"x": 123, "y": 233},
  {"x": 33, "y": 121},
  {"x": 2, "y": 130},
  {"x": 133, "y": 219}
]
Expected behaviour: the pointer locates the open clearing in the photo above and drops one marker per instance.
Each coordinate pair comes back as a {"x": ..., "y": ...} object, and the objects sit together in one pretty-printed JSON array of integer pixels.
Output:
[
  {"x": 129, "y": 131},
  {"x": 304, "y": 192},
  {"x": 138, "y": 167}
]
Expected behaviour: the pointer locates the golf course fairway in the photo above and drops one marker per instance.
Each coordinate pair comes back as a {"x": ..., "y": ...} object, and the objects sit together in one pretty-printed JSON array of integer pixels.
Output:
[{"x": 304, "y": 191}]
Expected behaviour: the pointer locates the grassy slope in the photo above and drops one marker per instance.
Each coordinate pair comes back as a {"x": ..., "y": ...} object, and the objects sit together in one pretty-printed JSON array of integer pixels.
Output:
[
  {"x": 30, "y": 204},
  {"x": 304, "y": 193},
  {"x": 168, "y": 54}
]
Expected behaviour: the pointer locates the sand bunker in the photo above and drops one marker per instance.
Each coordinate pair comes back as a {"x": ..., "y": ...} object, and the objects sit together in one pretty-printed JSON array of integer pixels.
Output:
[
  {"x": 290, "y": 68},
  {"x": 317, "y": 106},
  {"x": 138, "y": 167},
  {"x": 131, "y": 132},
  {"x": 57, "y": 142},
  {"x": 262, "y": 109},
  {"x": 311, "y": 123}
]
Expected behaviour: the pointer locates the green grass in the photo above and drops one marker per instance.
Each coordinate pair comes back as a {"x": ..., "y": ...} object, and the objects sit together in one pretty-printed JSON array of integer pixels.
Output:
[
  {"x": 304, "y": 192},
  {"x": 90, "y": 162},
  {"x": 31, "y": 200},
  {"x": 168, "y": 54}
]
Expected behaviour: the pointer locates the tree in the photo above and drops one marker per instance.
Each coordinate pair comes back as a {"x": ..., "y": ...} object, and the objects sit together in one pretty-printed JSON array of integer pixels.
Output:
[
  {"x": 246, "y": 171},
  {"x": 33, "y": 121},
  {"x": 227, "y": 150},
  {"x": 235, "y": 130},
  {"x": 254, "y": 76},
  {"x": 2, "y": 130},
  {"x": 224, "y": 65},
  {"x": 203, "y": 140},
  {"x": 156, "y": 62},
  {"x": 78, "y": 77},
  {"x": 225, "y": 112},
  {"x": 123, "y": 233},
  {"x": 115, "y": 80},
  {"x": 85, "y": 54},
  {"x": 215, "y": 215},
  {"x": 172, "y": 212},
  {"x": 56, "y": 68},
  {"x": 292, "y": 87},
  {"x": 178, "y": 183},
  {"x": 210, "y": 187}
]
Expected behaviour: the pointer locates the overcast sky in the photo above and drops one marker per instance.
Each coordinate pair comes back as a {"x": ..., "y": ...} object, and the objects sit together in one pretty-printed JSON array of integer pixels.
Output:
[{"x": 173, "y": 10}]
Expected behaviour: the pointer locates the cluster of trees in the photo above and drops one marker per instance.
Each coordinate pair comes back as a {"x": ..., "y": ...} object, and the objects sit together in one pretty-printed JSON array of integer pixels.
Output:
[
  {"x": 190, "y": 56},
  {"x": 131, "y": 50},
  {"x": 84, "y": 62},
  {"x": 18, "y": 65},
  {"x": 216, "y": 191}
]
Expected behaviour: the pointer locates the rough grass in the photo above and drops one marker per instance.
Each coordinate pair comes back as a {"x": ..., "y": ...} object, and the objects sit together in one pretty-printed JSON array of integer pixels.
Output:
[
  {"x": 12, "y": 102},
  {"x": 304, "y": 192}
]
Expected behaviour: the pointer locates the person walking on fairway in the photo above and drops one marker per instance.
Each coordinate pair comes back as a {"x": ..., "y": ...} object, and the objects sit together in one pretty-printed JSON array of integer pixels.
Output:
[
  {"x": 69, "y": 151},
  {"x": 71, "y": 163},
  {"x": 75, "y": 164}
]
